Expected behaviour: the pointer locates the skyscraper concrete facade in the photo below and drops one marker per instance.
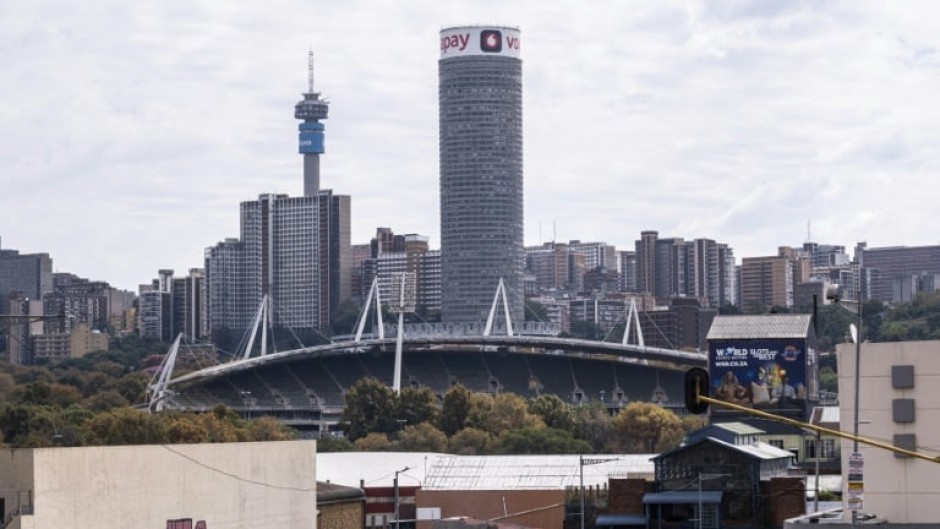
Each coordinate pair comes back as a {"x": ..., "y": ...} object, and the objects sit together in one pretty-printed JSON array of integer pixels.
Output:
[{"x": 481, "y": 184}]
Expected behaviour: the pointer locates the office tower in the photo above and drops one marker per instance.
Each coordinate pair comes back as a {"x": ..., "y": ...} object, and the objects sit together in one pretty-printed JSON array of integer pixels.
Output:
[
  {"x": 480, "y": 120},
  {"x": 311, "y": 109},
  {"x": 891, "y": 273},
  {"x": 29, "y": 275},
  {"x": 280, "y": 245},
  {"x": 549, "y": 264},
  {"x": 646, "y": 262},
  {"x": 335, "y": 252},
  {"x": 626, "y": 266}
]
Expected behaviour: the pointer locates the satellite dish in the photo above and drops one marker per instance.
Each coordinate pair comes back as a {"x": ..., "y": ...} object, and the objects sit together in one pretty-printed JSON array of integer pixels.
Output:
[{"x": 853, "y": 330}]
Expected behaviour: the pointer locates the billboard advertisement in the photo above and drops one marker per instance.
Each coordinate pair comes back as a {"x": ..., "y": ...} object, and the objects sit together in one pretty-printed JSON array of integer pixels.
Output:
[
  {"x": 776, "y": 375},
  {"x": 311, "y": 138},
  {"x": 480, "y": 40}
]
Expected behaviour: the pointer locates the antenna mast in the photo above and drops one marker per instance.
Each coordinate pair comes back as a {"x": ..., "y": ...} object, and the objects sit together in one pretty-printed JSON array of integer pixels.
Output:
[{"x": 310, "y": 71}]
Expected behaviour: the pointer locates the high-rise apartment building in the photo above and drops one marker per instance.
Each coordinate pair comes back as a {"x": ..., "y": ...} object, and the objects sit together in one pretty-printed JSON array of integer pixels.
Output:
[
  {"x": 766, "y": 282},
  {"x": 626, "y": 267},
  {"x": 481, "y": 182},
  {"x": 673, "y": 267},
  {"x": 170, "y": 306},
  {"x": 391, "y": 255}
]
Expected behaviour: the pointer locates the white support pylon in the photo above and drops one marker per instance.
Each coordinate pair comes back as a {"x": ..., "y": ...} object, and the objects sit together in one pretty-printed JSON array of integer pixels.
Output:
[
  {"x": 361, "y": 325},
  {"x": 500, "y": 289},
  {"x": 633, "y": 317},
  {"x": 254, "y": 327},
  {"x": 399, "y": 339},
  {"x": 157, "y": 389}
]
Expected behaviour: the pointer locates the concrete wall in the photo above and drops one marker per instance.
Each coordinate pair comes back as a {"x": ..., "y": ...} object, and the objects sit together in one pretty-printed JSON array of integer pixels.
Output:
[
  {"x": 238, "y": 485},
  {"x": 495, "y": 504},
  {"x": 901, "y": 490}
]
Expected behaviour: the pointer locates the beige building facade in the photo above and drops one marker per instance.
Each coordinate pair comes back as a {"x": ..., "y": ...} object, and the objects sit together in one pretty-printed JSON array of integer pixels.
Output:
[
  {"x": 233, "y": 485},
  {"x": 899, "y": 402}
]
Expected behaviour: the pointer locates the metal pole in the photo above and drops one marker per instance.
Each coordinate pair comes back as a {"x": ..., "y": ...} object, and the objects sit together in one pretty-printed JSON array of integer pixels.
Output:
[
  {"x": 581, "y": 467},
  {"x": 699, "y": 500},
  {"x": 858, "y": 357},
  {"x": 818, "y": 448},
  {"x": 396, "y": 499}
]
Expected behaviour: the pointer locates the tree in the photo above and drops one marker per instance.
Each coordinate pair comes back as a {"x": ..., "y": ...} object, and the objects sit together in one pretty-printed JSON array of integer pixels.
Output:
[
  {"x": 553, "y": 411},
  {"x": 541, "y": 441},
  {"x": 592, "y": 423},
  {"x": 371, "y": 406},
  {"x": 268, "y": 428},
  {"x": 455, "y": 410},
  {"x": 471, "y": 442},
  {"x": 416, "y": 406},
  {"x": 124, "y": 427},
  {"x": 642, "y": 427},
  {"x": 502, "y": 412},
  {"x": 374, "y": 442},
  {"x": 334, "y": 444},
  {"x": 422, "y": 438}
]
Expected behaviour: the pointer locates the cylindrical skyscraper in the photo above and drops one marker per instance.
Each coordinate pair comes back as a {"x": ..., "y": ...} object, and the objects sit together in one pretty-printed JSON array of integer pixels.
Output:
[
  {"x": 480, "y": 96},
  {"x": 311, "y": 109}
]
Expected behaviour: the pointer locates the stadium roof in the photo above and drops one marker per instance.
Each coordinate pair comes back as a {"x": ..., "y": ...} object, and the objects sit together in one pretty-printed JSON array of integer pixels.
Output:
[
  {"x": 435, "y": 471},
  {"x": 761, "y": 326}
]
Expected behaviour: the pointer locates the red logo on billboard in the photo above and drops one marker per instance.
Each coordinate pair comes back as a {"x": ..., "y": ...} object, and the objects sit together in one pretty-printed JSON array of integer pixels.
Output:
[{"x": 491, "y": 41}]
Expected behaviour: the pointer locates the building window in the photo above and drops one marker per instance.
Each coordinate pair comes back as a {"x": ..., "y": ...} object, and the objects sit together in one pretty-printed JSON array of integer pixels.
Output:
[{"x": 776, "y": 442}]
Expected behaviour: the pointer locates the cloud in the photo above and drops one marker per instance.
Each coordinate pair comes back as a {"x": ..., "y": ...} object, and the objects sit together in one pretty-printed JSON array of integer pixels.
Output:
[{"x": 131, "y": 132}]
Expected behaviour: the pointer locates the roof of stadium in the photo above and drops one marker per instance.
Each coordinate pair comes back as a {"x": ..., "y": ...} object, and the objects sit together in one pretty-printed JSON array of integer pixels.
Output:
[{"x": 434, "y": 471}]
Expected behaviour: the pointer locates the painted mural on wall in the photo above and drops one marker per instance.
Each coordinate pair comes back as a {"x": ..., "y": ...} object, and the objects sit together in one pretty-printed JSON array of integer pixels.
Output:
[
  {"x": 774, "y": 375},
  {"x": 185, "y": 523}
]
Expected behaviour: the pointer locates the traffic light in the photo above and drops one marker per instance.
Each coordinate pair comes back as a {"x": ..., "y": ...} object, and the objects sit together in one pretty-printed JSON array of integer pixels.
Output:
[{"x": 697, "y": 383}]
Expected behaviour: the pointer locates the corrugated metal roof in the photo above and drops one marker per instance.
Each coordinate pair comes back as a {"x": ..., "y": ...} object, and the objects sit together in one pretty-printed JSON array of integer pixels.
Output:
[
  {"x": 739, "y": 428},
  {"x": 549, "y": 472},
  {"x": 759, "y": 449},
  {"x": 760, "y": 326},
  {"x": 450, "y": 472}
]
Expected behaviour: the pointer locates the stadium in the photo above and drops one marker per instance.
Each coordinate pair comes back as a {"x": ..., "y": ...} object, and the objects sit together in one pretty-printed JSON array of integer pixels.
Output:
[{"x": 305, "y": 388}]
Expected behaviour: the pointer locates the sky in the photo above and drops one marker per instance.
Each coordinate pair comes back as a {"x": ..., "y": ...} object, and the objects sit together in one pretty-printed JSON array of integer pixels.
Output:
[{"x": 131, "y": 131}]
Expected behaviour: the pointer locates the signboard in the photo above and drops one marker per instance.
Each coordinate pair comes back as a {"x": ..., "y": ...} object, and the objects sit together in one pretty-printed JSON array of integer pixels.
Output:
[
  {"x": 480, "y": 40},
  {"x": 769, "y": 374},
  {"x": 856, "y": 495}
]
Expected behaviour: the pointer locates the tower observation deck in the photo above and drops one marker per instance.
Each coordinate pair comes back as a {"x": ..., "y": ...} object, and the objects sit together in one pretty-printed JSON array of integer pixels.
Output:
[{"x": 311, "y": 109}]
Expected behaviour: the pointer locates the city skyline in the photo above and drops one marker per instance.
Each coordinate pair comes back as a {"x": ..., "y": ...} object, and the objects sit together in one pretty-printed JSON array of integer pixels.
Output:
[{"x": 134, "y": 131}]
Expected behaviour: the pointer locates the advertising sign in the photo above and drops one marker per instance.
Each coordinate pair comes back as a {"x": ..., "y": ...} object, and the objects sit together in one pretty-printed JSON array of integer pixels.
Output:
[
  {"x": 768, "y": 374},
  {"x": 310, "y": 142},
  {"x": 476, "y": 40}
]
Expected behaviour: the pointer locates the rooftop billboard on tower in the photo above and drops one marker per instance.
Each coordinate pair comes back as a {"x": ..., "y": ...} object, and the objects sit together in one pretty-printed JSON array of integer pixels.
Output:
[{"x": 480, "y": 40}]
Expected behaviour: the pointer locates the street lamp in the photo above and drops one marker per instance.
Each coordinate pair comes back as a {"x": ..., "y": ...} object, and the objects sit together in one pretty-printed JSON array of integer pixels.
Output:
[
  {"x": 397, "y": 499},
  {"x": 856, "y": 332}
]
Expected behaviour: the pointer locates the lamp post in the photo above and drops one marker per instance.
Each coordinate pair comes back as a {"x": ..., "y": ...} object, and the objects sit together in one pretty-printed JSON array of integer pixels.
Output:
[
  {"x": 397, "y": 499},
  {"x": 856, "y": 331}
]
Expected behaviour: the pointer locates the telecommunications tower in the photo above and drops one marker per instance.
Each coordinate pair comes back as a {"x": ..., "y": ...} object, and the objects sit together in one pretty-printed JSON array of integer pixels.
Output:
[{"x": 311, "y": 109}]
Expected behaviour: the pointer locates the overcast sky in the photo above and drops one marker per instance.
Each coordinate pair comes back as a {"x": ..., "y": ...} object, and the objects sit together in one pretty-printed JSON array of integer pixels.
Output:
[{"x": 130, "y": 131}]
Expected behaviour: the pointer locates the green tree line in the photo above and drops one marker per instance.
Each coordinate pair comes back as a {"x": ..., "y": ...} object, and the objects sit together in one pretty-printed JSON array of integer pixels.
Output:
[{"x": 469, "y": 423}]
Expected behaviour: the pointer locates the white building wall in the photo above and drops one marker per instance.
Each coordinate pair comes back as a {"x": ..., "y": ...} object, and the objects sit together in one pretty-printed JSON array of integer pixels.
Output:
[
  {"x": 901, "y": 490},
  {"x": 233, "y": 485}
]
